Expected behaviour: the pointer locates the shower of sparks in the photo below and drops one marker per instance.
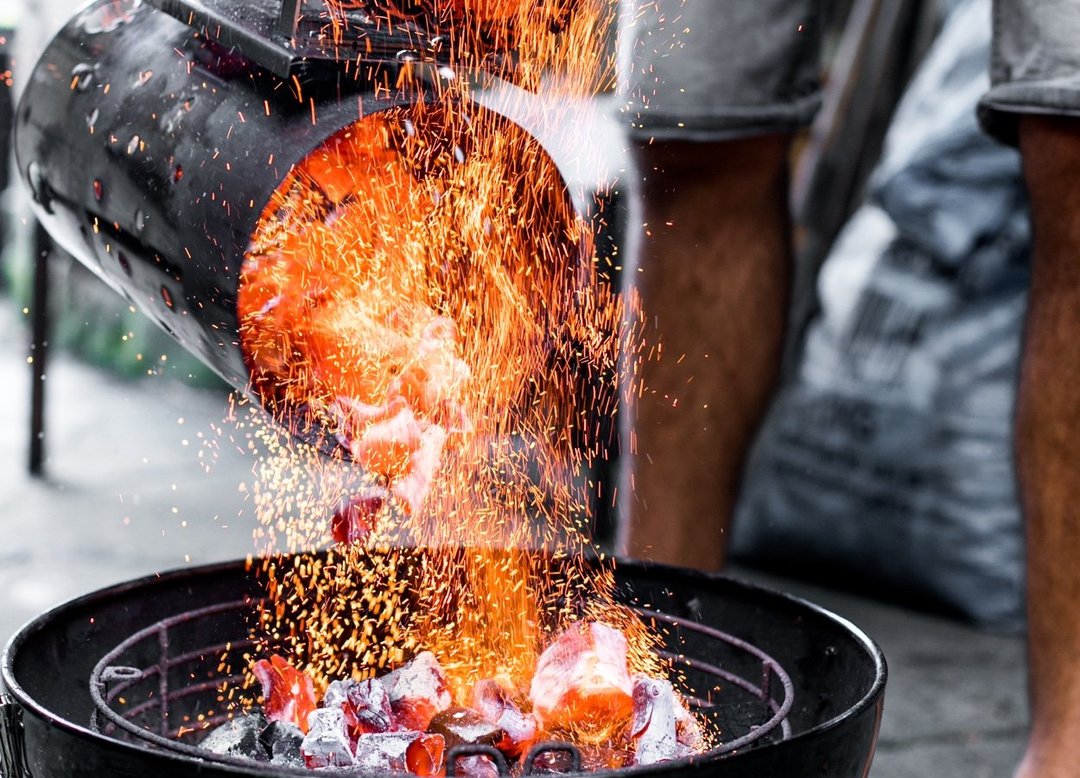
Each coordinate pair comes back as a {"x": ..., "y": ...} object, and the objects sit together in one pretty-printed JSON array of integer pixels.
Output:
[{"x": 421, "y": 293}]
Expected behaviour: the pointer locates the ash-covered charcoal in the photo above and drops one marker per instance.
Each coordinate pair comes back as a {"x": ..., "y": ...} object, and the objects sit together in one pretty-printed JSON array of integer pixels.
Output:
[
  {"x": 654, "y": 725},
  {"x": 687, "y": 727},
  {"x": 366, "y": 705},
  {"x": 282, "y": 741},
  {"x": 496, "y": 703},
  {"x": 462, "y": 726},
  {"x": 239, "y": 737},
  {"x": 288, "y": 694},
  {"x": 420, "y": 753},
  {"x": 582, "y": 682},
  {"x": 418, "y": 690},
  {"x": 327, "y": 742}
]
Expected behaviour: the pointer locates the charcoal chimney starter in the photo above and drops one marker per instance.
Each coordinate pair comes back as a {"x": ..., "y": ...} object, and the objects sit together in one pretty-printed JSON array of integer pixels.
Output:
[{"x": 153, "y": 134}]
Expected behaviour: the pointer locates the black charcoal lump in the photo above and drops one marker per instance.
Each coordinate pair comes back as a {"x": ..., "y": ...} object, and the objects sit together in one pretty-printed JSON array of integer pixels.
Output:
[
  {"x": 239, "y": 737},
  {"x": 282, "y": 740}
]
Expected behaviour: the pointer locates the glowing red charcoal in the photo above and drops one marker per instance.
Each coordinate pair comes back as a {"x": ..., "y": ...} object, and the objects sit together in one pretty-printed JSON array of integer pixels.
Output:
[
  {"x": 366, "y": 705},
  {"x": 582, "y": 683},
  {"x": 433, "y": 379},
  {"x": 494, "y": 702},
  {"x": 418, "y": 690},
  {"x": 288, "y": 694},
  {"x": 424, "y": 756},
  {"x": 417, "y": 752},
  {"x": 387, "y": 445}
]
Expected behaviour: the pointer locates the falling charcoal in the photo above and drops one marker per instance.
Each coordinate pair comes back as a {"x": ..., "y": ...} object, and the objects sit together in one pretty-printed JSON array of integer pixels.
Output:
[
  {"x": 238, "y": 737},
  {"x": 282, "y": 740},
  {"x": 419, "y": 753},
  {"x": 653, "y": 727},
  {"x": 326, "y": 743},
  {"x": 581, "y": 682},
  {"x": 356, "y": 518},
  {"x": 462, "y": 726},
  {"x": 366, "y": 705},
  {"x": 418, "y": 691},
  {"x": 495, "y": 702},
  {"x": 288, "y": 694}
]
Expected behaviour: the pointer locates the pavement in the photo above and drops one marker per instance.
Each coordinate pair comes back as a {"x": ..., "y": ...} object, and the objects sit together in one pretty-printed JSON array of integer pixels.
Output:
[{"x": 130, "y": 490}]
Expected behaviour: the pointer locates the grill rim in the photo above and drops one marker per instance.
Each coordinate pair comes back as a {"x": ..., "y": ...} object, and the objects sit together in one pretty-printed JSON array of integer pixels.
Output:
[{"x": 657, "y": 572}]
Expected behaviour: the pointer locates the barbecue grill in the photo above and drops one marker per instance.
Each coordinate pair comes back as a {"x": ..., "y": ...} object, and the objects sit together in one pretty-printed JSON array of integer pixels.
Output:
[{"x": 125, "y": 680}]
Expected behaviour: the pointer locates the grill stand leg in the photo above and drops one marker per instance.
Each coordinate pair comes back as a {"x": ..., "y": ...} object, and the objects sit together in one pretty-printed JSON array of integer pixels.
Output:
[
  {"x": 12, "y": 760},
  {"x": 39, "y": 344}
]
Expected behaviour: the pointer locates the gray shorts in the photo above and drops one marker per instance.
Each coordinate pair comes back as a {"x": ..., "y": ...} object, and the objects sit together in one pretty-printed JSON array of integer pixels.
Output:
[
  {"x": 1034, "y": 65},
  {"x": 718, "y": 69}
]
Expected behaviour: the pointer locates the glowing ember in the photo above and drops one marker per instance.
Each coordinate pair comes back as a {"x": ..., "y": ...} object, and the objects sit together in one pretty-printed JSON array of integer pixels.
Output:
[
  {"x": 366, "y": 705},
  {"x": 417, "y": 692},
  {"x": 582, "y": 684},
  {"x": 495, "y": 702},
  {"x": 288, "y": 694}
]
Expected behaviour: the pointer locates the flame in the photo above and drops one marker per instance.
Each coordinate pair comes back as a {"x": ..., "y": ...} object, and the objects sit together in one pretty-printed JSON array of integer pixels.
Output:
[{"x": 422, "y": 290}]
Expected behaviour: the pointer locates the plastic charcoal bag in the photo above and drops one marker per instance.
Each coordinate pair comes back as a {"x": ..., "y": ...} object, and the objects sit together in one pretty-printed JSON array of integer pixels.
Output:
[{"x": 887, "y": 457}]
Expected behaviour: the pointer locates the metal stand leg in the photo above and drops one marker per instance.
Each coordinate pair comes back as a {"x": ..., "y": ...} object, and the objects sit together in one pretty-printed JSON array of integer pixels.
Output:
[{"x": 39, "y": 344}]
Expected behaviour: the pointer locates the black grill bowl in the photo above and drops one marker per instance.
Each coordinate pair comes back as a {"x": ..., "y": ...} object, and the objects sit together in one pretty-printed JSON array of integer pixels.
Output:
[{"x": 837, "y": 676}]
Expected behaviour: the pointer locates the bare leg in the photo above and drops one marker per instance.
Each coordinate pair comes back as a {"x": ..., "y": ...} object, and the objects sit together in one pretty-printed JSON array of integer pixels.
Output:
[
  {"x": 1048, "y": 446},
  {"x": 713, "y": 274}
]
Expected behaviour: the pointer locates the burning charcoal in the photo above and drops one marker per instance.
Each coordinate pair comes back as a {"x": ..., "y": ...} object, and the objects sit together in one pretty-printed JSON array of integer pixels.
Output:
[
  {"x": 366, "y": 705},
  {"x": 418, "y": 691},
  {"x": 413, "y": 488},
  {"x": 419, "y": 753},
  {"x": 581, "y": 682},
  {"x": 387, "y": 444},
  {"x": 553, "y": 761},
  {"x": 495, "y": 702},
  {"x": 326, "y": 743},
  {"x": 687, "y": 728},
  {"x": 424, "y": 756},
  {"x": 653, "y": 727},
  {"x": 433, "y": 379},
  {"x": 282, "y": 741},
  {"x": 356, "y": 518},
  {"x": 336, "y": 694},
  {"x": 238, "y": 737},
  {"x": 462, "y": 726},
  {"x": 475, "y": 767},
  {"x": 288, "y": 694}
]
